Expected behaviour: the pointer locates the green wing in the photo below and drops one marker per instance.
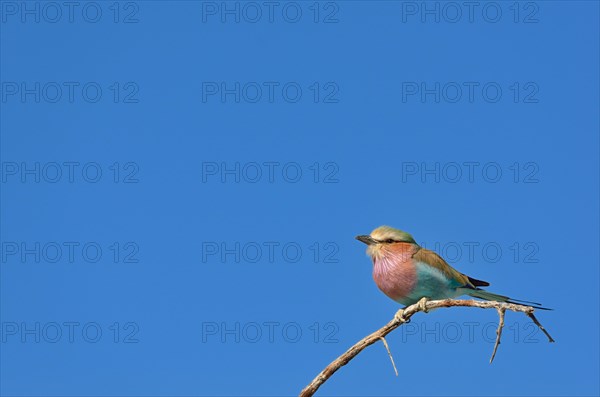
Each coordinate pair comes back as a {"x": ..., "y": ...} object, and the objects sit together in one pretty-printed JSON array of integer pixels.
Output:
[{"x": 434, "y": 260}]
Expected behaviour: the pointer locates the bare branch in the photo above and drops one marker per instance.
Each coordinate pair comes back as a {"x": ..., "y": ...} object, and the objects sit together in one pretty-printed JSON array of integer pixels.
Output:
[
  {"x": 501, "y": 313},
  {"x": 390, "y": 354},
  {"x": 535, "y": 320},
  {"x": 403, "y": 316}
]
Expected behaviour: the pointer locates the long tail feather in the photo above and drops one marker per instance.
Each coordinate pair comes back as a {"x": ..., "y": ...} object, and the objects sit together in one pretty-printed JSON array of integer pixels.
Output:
[{"x": 489, "y": 296}]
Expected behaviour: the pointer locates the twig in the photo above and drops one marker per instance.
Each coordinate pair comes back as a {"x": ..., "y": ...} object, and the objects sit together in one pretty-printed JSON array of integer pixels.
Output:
[
  {"x": 403, "y": 316},
  {"x": 390, "y": 354},
  {"x": 536, "y": 322},
  {"x": 501, "y": 313}
]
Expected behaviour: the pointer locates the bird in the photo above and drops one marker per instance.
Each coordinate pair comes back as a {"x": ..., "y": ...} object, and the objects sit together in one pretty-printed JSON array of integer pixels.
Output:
[{"x": 407, "y": 272}]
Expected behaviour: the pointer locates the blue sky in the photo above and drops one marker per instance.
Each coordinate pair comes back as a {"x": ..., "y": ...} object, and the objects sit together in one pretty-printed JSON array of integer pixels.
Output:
[{"x": 182, "y": 184}]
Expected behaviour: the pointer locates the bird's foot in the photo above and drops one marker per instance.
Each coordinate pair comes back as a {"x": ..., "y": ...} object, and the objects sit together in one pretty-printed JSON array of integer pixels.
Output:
[
  {"x": 399, "y": 316},
  {"x": 423, "y": 304}
]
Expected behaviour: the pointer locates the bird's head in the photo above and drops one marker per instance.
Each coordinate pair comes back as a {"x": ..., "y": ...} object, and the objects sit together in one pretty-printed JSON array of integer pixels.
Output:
[{"x": 383, "y": 237}]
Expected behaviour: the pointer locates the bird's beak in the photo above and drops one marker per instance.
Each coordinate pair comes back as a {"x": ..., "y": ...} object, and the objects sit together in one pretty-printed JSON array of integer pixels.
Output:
[{"x": 366, "y": 239}]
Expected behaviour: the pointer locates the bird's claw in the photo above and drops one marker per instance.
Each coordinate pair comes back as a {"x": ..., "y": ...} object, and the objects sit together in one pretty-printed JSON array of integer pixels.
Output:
[
  {"x": 399, "y": 316},
  {"x": 423, "y": 304}
]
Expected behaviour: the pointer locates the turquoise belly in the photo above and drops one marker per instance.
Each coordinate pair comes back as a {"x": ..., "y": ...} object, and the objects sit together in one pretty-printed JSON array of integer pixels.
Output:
[{"x": 431, "y": 283}]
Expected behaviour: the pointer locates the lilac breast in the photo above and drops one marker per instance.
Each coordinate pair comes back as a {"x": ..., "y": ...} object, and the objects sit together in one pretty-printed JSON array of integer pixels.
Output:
[{"x": 395, "y": 275}]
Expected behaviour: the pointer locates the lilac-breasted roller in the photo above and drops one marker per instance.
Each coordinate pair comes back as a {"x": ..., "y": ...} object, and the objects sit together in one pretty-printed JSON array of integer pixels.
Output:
[{"x": 407, "y": 272}]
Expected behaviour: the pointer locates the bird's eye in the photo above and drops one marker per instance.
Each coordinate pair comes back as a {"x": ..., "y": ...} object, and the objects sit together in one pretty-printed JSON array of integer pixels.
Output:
[{"x": 389, "y": 240}]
